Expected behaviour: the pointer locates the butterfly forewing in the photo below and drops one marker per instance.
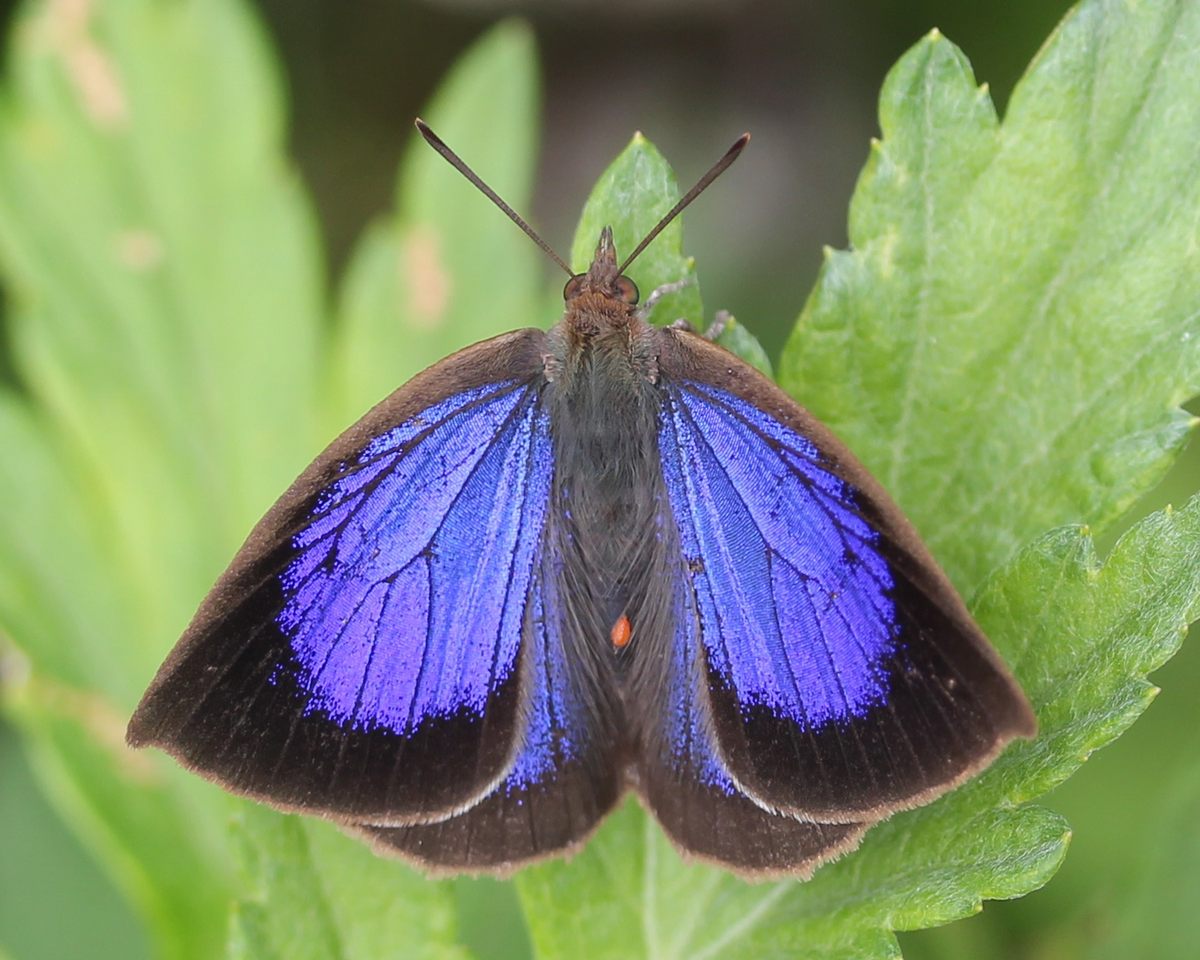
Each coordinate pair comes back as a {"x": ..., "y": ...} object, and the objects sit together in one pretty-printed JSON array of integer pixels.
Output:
[
  {"x": 843, "y": 676},
  {"x": 363, "y": 655}
]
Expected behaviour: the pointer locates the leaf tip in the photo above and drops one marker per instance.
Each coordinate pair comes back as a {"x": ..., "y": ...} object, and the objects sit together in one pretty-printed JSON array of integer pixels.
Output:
[
  {"x": 516, "y": 28},
  {"x": 511, "y": 37},
  {"x": 934, "y": 35}
]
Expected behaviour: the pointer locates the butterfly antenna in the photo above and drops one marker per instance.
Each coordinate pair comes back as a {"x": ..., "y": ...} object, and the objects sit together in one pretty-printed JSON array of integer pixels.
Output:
[
  {"x": 718, "y": 168},
  {"x": 457, "y": 163}
]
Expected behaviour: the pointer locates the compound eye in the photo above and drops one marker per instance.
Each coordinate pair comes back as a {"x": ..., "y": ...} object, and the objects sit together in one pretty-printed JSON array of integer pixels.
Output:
[
  {"x": 627, "y": 290},
  {"x": 574, "y": 287}
]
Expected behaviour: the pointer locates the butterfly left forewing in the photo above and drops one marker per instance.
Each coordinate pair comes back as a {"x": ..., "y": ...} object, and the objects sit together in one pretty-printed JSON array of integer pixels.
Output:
[
  {"x": 362, "y": 656},
  {"x": 844, "y": 676}
]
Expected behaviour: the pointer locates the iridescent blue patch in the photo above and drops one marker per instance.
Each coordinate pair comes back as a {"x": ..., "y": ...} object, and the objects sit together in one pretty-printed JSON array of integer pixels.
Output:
[
  {"x": 388, "y": 619},
  {"x": 555, "y": 723},
  {"x": 792, "y": 595}
]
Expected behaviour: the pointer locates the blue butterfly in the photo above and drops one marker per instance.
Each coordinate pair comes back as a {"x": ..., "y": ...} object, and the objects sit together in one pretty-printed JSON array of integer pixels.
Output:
[{"x": 560, "y": 565}]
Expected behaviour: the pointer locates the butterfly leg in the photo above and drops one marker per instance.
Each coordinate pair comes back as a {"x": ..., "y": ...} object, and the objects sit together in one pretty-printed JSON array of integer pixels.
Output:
[
  {"x": 659, "y": 292},
  {"x": 720, "y": 321},
  {"x": 713, "y": 331}
]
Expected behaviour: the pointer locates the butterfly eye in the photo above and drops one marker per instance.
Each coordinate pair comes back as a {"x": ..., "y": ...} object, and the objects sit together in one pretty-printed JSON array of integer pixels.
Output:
[
  {"x": 574, "y": 287},
  {"x": 627, "y": 290}
]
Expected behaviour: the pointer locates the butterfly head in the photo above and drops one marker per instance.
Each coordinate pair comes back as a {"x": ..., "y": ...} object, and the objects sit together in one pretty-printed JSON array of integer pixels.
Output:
[{"x": 604, "y": 276}]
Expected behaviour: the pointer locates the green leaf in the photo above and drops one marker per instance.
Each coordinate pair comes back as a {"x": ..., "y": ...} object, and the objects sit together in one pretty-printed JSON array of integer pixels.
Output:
[
  {"x": 1008, "y": 339},
  {"x": 447, "y": 269},
  {"x": 167, "y": 854},
  {"x": 1079, "y": 636},
  {"x": 165, "y": 286},
  {"x": 320, "y": 895},
  {"x": 167, "y": 299},
  {"x": 1156, "y": 916},
  {"x": 45, "y": 875}
]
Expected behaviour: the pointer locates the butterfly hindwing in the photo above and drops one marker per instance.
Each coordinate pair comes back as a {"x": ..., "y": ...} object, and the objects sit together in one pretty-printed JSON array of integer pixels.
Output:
[
  {"x": 844, "y": 676},
  {"x": 565, "y": 775},
  {"x": 684, "y": 780},
  {"x": 362, "y": 657}
]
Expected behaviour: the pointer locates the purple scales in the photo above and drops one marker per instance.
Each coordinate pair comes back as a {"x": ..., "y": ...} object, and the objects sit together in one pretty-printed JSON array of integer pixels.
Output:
[
  {"x": 387, "y": 621},
  {"x": 791, "y": 590}
]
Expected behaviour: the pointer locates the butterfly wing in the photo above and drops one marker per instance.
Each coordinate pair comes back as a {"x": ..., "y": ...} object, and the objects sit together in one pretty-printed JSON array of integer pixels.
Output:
[
  {"x": 566, "y": 774},
  {"x": 682, "y": 777},
  {"x": 843, "y": 676},
  {"x": 365, "y": 655}
]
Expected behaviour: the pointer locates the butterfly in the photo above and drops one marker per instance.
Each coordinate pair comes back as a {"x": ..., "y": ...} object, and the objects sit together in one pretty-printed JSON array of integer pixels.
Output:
[{"x": 562, "y": 565}]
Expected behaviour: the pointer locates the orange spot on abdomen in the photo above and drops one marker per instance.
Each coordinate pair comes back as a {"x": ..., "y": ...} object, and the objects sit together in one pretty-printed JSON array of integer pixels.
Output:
[{"x": 621, "y": 632}]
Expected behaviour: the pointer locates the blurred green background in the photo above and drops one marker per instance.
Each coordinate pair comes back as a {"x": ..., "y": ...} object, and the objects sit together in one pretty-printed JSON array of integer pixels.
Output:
[{"x": 692, "y": 74}]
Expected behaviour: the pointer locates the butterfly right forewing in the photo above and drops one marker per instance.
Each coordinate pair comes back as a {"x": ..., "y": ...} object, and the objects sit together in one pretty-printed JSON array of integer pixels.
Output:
[{"x": 843, "y": 676}]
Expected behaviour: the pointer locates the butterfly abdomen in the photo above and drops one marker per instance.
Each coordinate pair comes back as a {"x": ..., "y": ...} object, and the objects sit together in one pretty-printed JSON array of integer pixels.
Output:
[{"x": 603, "y": 408}]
